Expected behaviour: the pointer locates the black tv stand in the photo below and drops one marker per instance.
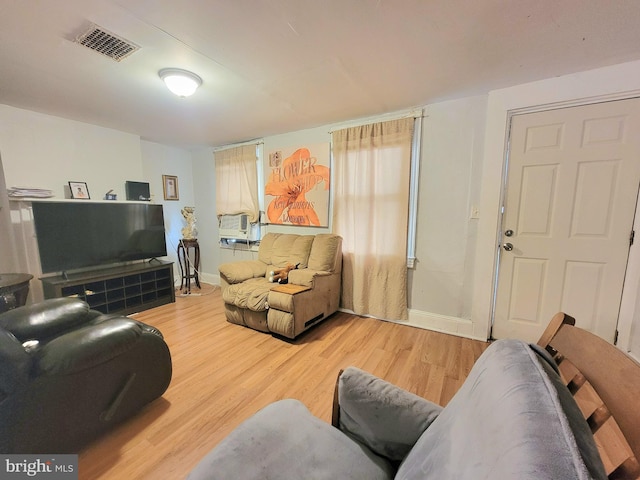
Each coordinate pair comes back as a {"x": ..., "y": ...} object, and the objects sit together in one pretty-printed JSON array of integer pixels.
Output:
[{"x": 123, "y": 289}]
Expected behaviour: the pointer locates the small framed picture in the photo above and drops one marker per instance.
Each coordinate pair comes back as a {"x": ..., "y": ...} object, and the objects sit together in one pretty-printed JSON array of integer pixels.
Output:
[
  {"x": 79, "y": 190},
  {"x": 170, "y": 187}
]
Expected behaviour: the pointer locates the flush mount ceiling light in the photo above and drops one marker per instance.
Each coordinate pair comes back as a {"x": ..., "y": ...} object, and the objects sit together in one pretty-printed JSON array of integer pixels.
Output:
[{"x": 181, "y": 82}]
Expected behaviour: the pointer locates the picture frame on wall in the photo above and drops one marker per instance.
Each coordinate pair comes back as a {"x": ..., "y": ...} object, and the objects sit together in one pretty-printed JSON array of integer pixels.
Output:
[
  {"x": 297, "y": 185},
  {"x": 79, "y": 190},
  {"x": 170, "y": 187}
]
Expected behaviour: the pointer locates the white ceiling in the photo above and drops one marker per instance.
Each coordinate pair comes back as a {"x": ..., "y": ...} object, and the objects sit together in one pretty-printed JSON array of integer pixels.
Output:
[{"x": 275, "y": 66}]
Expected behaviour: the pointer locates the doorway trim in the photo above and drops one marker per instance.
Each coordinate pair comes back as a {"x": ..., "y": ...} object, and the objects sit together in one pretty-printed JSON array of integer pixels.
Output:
[
  {"x": 607, "y": 325},
  {"x": 605, "y": 84}
]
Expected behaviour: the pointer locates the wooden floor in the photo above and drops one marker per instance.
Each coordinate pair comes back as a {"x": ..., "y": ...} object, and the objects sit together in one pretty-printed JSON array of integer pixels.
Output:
[{"x": 223, "y": 373}]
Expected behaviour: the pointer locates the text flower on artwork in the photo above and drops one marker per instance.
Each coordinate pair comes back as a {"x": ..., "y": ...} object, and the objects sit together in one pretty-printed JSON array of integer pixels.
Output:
[{"x": 289, "y": 183}]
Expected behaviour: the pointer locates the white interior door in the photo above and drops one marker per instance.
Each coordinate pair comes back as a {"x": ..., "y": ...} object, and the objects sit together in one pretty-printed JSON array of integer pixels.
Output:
[{"x": 570, "y": 199}]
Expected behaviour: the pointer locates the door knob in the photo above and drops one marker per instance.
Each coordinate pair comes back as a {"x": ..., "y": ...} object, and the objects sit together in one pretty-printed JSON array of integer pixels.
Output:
[
  {"x": 508, "y": 233},
  {"x": 508, "y": 247}
]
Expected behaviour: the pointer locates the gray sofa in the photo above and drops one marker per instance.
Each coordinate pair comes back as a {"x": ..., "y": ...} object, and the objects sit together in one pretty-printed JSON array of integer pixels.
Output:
[
  {"x": 312, "y": 292},
  {"x": 513, "y": 418}
]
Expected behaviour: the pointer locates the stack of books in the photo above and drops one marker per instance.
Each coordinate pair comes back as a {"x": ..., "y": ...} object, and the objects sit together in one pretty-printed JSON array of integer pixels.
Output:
[{"x": 28, "y": 192}]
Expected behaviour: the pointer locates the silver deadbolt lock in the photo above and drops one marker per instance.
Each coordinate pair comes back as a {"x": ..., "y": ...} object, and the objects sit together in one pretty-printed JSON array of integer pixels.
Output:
[
  {"x": 508, "y": 233},
  {"x": 508, "y": 247}
]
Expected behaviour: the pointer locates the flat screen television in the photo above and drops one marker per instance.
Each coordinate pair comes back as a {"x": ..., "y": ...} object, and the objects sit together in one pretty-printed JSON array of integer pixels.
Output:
[{"x": 76, "y": 235}]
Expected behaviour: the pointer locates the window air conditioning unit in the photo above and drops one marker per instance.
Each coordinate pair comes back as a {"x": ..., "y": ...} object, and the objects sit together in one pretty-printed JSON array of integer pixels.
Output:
[{"x": 237, "y": 227}]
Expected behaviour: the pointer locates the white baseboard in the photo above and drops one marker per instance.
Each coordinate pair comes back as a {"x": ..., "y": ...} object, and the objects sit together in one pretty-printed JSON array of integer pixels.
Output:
[
  {"x": 210, "y": 278},
  {"x": 442, "y": 323},
  {"x": 204, "y": 278},
  {"x": 438, "y": 323}
]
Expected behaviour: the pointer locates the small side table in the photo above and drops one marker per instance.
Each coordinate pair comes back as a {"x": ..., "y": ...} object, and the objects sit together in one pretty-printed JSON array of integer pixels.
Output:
[
  {"x": 14, "y": 289},
  {"x": 189, "y": 265}
]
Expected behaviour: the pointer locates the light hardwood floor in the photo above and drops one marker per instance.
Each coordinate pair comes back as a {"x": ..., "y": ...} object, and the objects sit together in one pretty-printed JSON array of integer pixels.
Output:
[{"x": 223, "y": 373}]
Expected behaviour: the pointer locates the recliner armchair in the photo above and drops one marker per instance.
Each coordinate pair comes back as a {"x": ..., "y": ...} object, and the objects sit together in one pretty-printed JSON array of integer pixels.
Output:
[
  {"x": 68, "y": 374},
  {"x": 314, "y": 293}
]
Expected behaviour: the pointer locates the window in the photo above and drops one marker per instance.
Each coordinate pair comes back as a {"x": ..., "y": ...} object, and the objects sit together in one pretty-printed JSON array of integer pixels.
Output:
[
  {"x": 372, "y": 171},
  {"x": 237, "y": 182}
]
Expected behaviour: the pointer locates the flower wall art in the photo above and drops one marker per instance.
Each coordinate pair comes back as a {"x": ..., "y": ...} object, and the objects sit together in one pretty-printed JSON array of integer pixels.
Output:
[{"x": 297, "y": 186}]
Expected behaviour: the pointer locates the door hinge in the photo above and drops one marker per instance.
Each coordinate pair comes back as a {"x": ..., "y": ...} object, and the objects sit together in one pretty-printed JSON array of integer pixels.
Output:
[
  {"x": 632, "y": 237},
  {"x": 615, "y": 338}
]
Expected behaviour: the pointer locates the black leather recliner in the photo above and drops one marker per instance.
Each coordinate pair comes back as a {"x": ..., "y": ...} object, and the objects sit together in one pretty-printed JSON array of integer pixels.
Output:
[{"x": 68, "y": 374}]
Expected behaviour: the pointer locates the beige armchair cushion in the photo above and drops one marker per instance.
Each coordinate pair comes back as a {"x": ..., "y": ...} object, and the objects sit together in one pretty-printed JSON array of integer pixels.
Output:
[
  {"x": 292, "y": 249},
  {"x": 266, "y": 248},
  {"x": 324, "y": 253},
  {"x": 237, "y": 272},
  {"x": 304, "y": 277},
  {"x": 278, "y": 249},
  {"x": 251, "y": 294}
]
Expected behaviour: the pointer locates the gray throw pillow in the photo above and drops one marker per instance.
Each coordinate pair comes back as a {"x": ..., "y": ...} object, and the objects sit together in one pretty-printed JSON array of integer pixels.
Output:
[{"x": 384, "y": 417}]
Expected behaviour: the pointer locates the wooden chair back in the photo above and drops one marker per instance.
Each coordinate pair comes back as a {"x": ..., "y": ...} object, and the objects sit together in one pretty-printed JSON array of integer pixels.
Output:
[{"x": 606, "y": 385}]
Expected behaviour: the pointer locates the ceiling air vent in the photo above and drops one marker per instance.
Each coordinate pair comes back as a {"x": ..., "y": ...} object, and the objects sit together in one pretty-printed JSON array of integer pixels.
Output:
[{"x": 104, "y": 42}]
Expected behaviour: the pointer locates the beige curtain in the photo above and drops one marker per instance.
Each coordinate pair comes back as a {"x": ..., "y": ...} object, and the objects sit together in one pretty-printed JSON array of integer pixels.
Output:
[
  {"x": 237, "y": 182},
  {"x": 371, "y": 205}
]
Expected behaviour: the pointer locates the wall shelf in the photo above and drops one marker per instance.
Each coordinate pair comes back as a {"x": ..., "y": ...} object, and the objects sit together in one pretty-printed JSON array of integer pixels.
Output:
[{"x": 125, "y": 289}]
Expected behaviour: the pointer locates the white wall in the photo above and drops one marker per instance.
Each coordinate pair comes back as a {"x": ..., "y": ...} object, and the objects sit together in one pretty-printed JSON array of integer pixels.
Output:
[
  {"x": 441, "y": 285},
  {"x": 204, "y": 181},
  {"x": 44, "y": 151},
  {"x": 158, "y": 160},
  {"x": 8, "y": 263},
  {"x": 615, "y": 82},
  {"x": 47, "y": 152}
]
